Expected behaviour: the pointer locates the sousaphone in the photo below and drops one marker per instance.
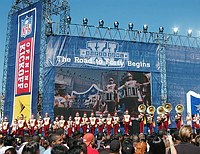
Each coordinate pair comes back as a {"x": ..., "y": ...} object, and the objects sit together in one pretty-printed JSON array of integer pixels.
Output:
[{"x": 141, "y": 108}]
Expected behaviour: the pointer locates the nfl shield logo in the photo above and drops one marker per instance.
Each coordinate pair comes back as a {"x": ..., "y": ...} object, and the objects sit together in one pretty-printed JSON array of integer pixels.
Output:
[
  {"x": 26, "y": 26},
  {"x": 193, "y": 102}
]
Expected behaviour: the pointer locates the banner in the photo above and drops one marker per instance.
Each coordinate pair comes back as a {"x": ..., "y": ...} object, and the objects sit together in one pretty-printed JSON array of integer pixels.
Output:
[{"x": 193, "y": 103}]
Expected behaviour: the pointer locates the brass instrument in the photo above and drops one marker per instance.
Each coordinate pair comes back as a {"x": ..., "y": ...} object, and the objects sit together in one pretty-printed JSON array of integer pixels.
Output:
[
  {"x": 151, "y": 109},
  {"x": 142, "y": 108},
  {"x": 160, "y": 110},
  {"x": 179, "y": 108},
  {"x": 167, "y": 107}
]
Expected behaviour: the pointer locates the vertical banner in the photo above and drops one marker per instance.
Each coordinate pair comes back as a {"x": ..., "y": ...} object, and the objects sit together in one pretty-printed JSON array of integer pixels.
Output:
[{"x": 26, "y": 65}]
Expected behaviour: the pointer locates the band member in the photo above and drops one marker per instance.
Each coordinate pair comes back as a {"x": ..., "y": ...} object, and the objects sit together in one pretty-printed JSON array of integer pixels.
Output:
[
  {"x": 132, "y": 94},
  {"x": 108, "y": 124},
  {"x": 14, "y": 128},
  {"x": 70, "y": 125},
  {"x": 159, "y": 121},
  {"x": 101, "y": 123},
  {"x": 178, "y": 120},
  {"x": 32, "y": 125},
  {"x": 116, "y": 123},
  {"x": 111, "y": 96},
  {"x": 47, "y": 124},
  {"x": 195, "y": 121},
  {"x": 56, "y": 124},
  {"x": 84, "y": 123},
  {"x": 5, "y": 126},
  {"x": 93, "y": 123},
  {"x": 62, "y": 122},
  {"x": 150, "y": 122},
  {"x": 189, "y": 119},
  {"x": 141, "y": 118},
  {"x": 40, "y": 123},
  {"x": 166, "y": 121},
  {"x": 127, "y": 122},
  {"x": 77, "y": 122},
  {"x": 21, "y": 125}
]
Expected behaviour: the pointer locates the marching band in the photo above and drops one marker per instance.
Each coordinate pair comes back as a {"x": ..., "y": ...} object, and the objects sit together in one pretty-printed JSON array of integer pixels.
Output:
[{"x": 112, "y": 124}]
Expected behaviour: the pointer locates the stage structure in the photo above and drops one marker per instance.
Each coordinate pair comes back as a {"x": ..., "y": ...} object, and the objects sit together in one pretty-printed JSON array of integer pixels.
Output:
[{"x": 80, "y": 59}]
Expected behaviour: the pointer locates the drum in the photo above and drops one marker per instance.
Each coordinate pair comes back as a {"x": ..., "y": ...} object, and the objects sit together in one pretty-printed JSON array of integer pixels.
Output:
[{"x": 107, "y": 96}]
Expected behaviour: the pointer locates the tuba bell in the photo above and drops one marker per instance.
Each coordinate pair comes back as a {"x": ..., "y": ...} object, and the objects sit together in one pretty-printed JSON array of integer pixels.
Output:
[
  {"x": 151, "y": 109},
  {"x": 160, "y": 110},
  {"x": 179, "y": 108},
  {"x": 142, "y": 108},
  {"x": 167, "y": 107}
]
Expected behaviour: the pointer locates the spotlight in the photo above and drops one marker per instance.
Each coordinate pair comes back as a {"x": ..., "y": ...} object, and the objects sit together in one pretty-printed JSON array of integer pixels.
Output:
[
  {"x": 116, "y": 24},
  {"x": 130, "y": 26},
  {"x": 85, "y": 21},
  {"x": 68, "y": 18},
  {"x": 175, "y": 30},
  {"x": 145, "y": 28},
  {"x": 101, "y": 23},
  {"x": 161, "y": 29},
  {"x": 189, "y": 32}
]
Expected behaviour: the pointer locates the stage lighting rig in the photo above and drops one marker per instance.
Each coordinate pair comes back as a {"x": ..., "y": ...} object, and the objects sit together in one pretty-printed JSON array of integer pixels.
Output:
[
  {"x": 130, "y": 26},
  {"x": 85, "y": 21},
  {"x": 68, "y": 19},
  {"x": 175, "y": 30},
  {"x": 116, "y": 24},
  {"x": 101, "y": 23},
  {"x": 145, "y": 28},
  {"x": 189, "y": 32},
  {"x": 161, "y": 29}
]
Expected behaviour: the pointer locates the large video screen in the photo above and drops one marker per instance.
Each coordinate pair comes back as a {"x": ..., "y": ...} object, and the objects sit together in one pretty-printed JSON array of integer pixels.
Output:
[{"x": 101, "y": 91}]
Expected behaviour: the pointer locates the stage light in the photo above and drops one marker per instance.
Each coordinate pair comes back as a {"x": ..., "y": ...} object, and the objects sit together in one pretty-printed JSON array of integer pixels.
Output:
[
  {"x": 85, "y": 21},
  {"x": 189, "y": 32},
  {"x": 175, "y": 30},
  {"x": 130, "y": 26},
  {"x": 101, "y": 23},
  {"x": 161, "y": 29},
  {"x": 116, "y": 24},
  {"x": 68, "y": 18},
  {"x": 145, "y": 28}
]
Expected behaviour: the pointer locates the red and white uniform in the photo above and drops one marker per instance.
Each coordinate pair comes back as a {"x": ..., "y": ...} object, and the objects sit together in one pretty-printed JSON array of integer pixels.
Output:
[
  {"x": 178, "y": 120},
  {"x": 195, "y": 120},
  {"x": 84, "y": 123},
  {"x": 101, "y": 124},
  {"x": 189, "y": 119},
  {"x": 159, "y": 121},
  {"x": 40, "y": 123},
  {"x": 14, "y": 128},
  {"x": 109, "y": 124},
  {"x": 47, "y": 124},
  {"x": 21, "y": 125},
  {"x": 150, "y": 122},
  {"x": 5, "y": 126},
  {"x": 56, "y": 123},
  {"x": 77, "y": 121},
  {"x": 166, "y": 121},
  {"x": 127, "y": 122},
  {"x": 32, "y": 124},
  {"x": 141, "y": 119},
  {"x": 62, "y": 122},
  {"x": 70, "y": 125},
  {"x": 116, "y": 123},
  {"x": 93, "y": 123}
]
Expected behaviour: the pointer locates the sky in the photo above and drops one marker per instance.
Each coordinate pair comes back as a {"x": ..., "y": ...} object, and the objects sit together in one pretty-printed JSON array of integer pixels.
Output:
[{"x": 183, "y": 14}]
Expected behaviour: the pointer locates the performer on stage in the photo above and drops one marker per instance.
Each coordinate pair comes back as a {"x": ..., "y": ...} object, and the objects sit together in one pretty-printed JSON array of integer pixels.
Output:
[
  {"x": 93, "y": 123},
  {"x": 21, "y": 125},
  {"x": 5, "y": 126},
  {"x": 189, "y": 119},
  {"x": 47, "y": 124},
  {"x": 32, "y": 125},
  {"x": 132, "y": 94},
  {"x": 101, "y": 123},
  {"x": 56, "y": 123},
  {"x": 70, "y": 126},
  {"x": 40, "y": 123},
  {"x": 127, "y": 122},
  {"x": 116, "y": 123},
  {"x": 150, "y": 122},
  {"x": 108, "y": 124},
  {"x": 178, "y": 120},
  {"x": 195, "y": 121},
  {"x": 77, "y": 122},
  {"x": 84, "y": 123},
  {"x": 62, "y": 122},
  {"x": 160, "y": 121},
  {"x": 141, "y": 118},
  {"x": 111, "y": 96},
  {"x": 166, "y": 122},
  {"x": 14, "y": 128}
]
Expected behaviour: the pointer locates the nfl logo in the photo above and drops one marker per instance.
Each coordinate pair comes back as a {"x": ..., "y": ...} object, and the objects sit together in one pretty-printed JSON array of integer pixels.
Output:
[{"x": 26, "y": 27}]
